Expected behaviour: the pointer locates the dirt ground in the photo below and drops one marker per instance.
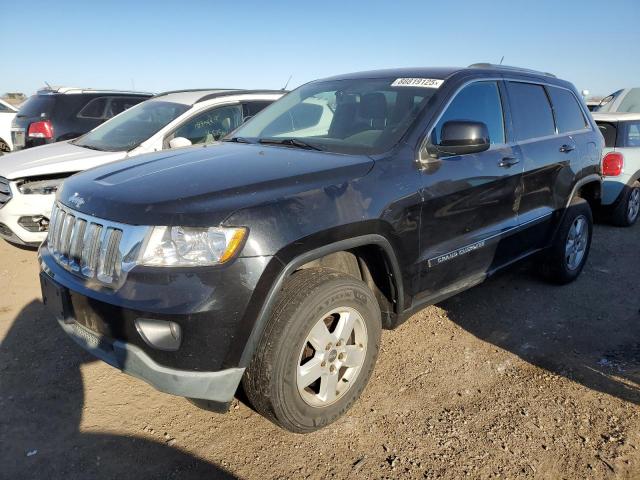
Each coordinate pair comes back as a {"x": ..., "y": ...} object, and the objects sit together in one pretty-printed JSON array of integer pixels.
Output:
[{"x": 512, "y": 379}]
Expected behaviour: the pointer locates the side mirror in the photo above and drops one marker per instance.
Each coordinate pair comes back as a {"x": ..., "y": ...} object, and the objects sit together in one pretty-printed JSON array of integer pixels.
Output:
[
  {"x": 179, "y": 142},
  {"x": 462, "y": 137}
]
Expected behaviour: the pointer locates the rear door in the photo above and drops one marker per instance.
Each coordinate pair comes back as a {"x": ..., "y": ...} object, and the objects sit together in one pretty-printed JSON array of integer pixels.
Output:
[
  {"x": 547, "y": 158},
  {"x": 470, "y": 201}
]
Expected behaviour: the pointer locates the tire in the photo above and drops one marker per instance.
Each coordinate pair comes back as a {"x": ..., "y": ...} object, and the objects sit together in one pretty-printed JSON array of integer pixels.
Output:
[
  {"x": 559, "y": 265},
  {"x": 627, "y": 212},
  {"x": 297, "y": 336}
]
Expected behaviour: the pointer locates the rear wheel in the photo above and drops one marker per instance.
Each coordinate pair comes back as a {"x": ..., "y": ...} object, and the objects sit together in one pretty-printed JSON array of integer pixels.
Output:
[
  {"x": 318, "y": 350},
  {"x": 627, "y": 212},
  {"x": 566, "y": 258}
]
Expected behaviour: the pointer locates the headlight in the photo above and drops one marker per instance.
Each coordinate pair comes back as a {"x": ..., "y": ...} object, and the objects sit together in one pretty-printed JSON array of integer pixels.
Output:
[
  {"x": 40, "y": 187},
  {"x": 188, "y": 246}
]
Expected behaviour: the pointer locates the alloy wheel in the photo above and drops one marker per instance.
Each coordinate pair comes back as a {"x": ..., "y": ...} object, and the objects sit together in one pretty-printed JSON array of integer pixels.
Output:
[
  {"x": 331, "y": 357},
  {"x": 577, "y": 240}
]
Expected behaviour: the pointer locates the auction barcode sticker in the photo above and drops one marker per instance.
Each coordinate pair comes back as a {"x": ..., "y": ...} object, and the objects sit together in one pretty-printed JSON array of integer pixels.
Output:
[{"x": 417, "y": 82}]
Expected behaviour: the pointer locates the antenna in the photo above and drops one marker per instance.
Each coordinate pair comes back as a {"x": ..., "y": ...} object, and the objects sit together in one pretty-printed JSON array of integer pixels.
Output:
[
  {"x": 133, "y": 84},
  {"x": 287, "y": 84},
  {"x": 502, "y": 59},
  {"x": 47, "y": 84}
]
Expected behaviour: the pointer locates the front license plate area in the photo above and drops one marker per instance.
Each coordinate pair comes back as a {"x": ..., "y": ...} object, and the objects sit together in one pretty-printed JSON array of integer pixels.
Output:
[{"x": 55, "y": 297}]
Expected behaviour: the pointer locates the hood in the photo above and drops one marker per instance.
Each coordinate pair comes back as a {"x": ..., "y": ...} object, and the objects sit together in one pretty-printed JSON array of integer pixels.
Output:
[
  {"x": 51, "y": 159},
  {"x": 202, "y": 186}
]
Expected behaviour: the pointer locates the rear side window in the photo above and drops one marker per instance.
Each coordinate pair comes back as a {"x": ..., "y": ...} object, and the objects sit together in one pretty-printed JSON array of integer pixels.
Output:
[
  {"x": 531, "y": 111},
  {"x": 609, "y": 131},
  {"x": 632, "y": 135},
  {"x": 94, "y": 109},
  {"x": 37, "y": 105},
  {"x": 569, "y": 117},
  {"x": 479, "y": 102},
  {"x": 120, "y": 104}
]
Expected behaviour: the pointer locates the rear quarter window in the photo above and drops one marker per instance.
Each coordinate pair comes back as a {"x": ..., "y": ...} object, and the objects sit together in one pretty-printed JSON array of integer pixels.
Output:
[
  {"x": 37, "y": 105},
  {"x": 531, "y": 111},
  {"x": 569, "y": 116}
]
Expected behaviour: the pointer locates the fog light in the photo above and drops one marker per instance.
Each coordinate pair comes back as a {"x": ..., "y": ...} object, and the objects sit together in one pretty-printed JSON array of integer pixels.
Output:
[
  {"x": 159, "y": 334},
  {"x": 36, "y": 223}
]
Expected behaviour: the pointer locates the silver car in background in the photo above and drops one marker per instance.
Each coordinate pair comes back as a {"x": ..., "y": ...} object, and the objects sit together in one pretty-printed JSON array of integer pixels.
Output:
[{"x": 620, "y": 166}]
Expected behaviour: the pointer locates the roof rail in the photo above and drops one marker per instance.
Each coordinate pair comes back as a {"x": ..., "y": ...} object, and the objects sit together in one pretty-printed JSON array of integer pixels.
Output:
[
  {"x": 70, "y": 90},
  {"x": 187, "y": 90},
  {"x": 511, "y": 69}
]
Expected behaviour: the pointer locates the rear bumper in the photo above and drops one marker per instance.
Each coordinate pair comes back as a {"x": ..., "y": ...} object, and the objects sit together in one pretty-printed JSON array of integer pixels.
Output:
[
  {"x": 613, "y": 189},
  {"x": 218, "y": 386}
]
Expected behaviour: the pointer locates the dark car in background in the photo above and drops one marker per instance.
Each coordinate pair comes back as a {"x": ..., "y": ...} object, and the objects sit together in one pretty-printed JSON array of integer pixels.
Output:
[{"x": 56, "y": 114}]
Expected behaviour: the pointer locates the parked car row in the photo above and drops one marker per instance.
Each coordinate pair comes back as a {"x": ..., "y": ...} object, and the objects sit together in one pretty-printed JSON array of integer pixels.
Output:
[
  {"x": 271, "y": 252},
  {"x": 168, "y": 120}
]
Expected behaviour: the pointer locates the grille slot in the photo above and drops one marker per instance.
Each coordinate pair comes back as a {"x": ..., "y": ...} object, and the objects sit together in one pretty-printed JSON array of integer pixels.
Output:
[
  {"x": 82, "y": 245},
  {"x": 5, "y": 191}
]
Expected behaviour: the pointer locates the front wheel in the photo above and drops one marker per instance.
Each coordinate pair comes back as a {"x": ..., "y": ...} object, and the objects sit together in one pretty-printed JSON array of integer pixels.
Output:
[
  {"x": 627, "y": 212},
  {"x": 318, "y": 350},
  {"x": 566, "y": 257}
]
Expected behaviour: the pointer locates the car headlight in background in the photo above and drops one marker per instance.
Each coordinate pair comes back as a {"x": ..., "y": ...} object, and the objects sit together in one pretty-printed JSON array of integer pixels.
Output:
[
  {"x": 40, "y": 187},
  {"x": 192, "y": 246}
]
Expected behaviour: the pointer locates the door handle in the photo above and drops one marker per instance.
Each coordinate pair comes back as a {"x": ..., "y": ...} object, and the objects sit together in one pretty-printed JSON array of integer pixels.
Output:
[
  {"x": 567, "y": 148},
  {"x": 508, "y": 162}
]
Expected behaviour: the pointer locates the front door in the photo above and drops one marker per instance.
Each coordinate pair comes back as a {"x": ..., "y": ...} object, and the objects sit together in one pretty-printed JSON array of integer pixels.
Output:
[{"x": 470, "y": 201}]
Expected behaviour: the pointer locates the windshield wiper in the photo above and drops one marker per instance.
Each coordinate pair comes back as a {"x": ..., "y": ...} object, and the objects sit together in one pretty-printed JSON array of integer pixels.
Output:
[
  {"x": 290, "y": 142},
  {"x": 90, "y": 147},
  {"x": 236, "y": 140}
]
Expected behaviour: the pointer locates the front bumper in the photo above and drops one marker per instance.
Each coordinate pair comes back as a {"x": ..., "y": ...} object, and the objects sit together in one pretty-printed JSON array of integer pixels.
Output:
[
  {"x": 209, "y": 304},
  {"x": 215, "y": 386},
  {"x": 24, "y": 206}
]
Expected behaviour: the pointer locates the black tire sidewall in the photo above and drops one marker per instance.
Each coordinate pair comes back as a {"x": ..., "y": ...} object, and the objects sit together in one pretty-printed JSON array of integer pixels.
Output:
[
  {"x": 623, "y": 214},
  {"x": 287, "y": 403},
  {"x": 557, "y": 264}
]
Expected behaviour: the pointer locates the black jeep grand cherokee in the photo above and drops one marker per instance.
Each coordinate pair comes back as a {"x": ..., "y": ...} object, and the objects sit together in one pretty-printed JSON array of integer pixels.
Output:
[{"x": 276, "y": 258}]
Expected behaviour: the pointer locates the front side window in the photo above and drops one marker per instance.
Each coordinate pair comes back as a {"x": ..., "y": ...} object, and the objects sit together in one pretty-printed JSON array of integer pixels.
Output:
[
  {"x": 569, "y": 117},
  {"x": 132, "y": 127},
  {"x": 210, "y": 126},
  {"x": 356, "y": 116},
  {"x": 531, "y": 111},
  {"x": 478, "y": 102}
]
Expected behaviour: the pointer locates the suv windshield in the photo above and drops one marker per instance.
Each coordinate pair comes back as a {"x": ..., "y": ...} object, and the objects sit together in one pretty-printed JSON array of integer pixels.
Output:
[
  {"x": 359, "y": 116},
  {"x": 132, "y": 127}
]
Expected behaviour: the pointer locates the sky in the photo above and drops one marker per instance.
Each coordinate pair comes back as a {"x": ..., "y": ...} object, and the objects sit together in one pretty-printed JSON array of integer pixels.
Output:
[{"x": 165, "y": 45}]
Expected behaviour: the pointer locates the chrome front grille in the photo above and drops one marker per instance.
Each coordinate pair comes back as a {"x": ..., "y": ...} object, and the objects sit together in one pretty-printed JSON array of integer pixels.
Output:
[
  {"x": 5, "y": 191},
  {"x": 91, "y": 247}
]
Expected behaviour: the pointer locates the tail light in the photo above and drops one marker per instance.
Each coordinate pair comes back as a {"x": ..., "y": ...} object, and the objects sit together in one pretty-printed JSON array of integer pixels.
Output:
[
  {"x": 42, "y": 129},
  {"x": 612, "y": 164}
]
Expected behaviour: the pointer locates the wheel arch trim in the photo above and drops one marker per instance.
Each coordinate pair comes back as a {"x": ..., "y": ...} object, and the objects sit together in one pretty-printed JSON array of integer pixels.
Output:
[
  {"x": 306, "y": 257},
  {"x": 580, "y": 183}
]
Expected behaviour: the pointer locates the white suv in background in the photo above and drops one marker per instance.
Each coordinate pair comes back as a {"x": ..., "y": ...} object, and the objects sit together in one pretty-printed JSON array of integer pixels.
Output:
[
  {"x": 29, "y": 178},
  {"x": 7, "y": 112}
]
